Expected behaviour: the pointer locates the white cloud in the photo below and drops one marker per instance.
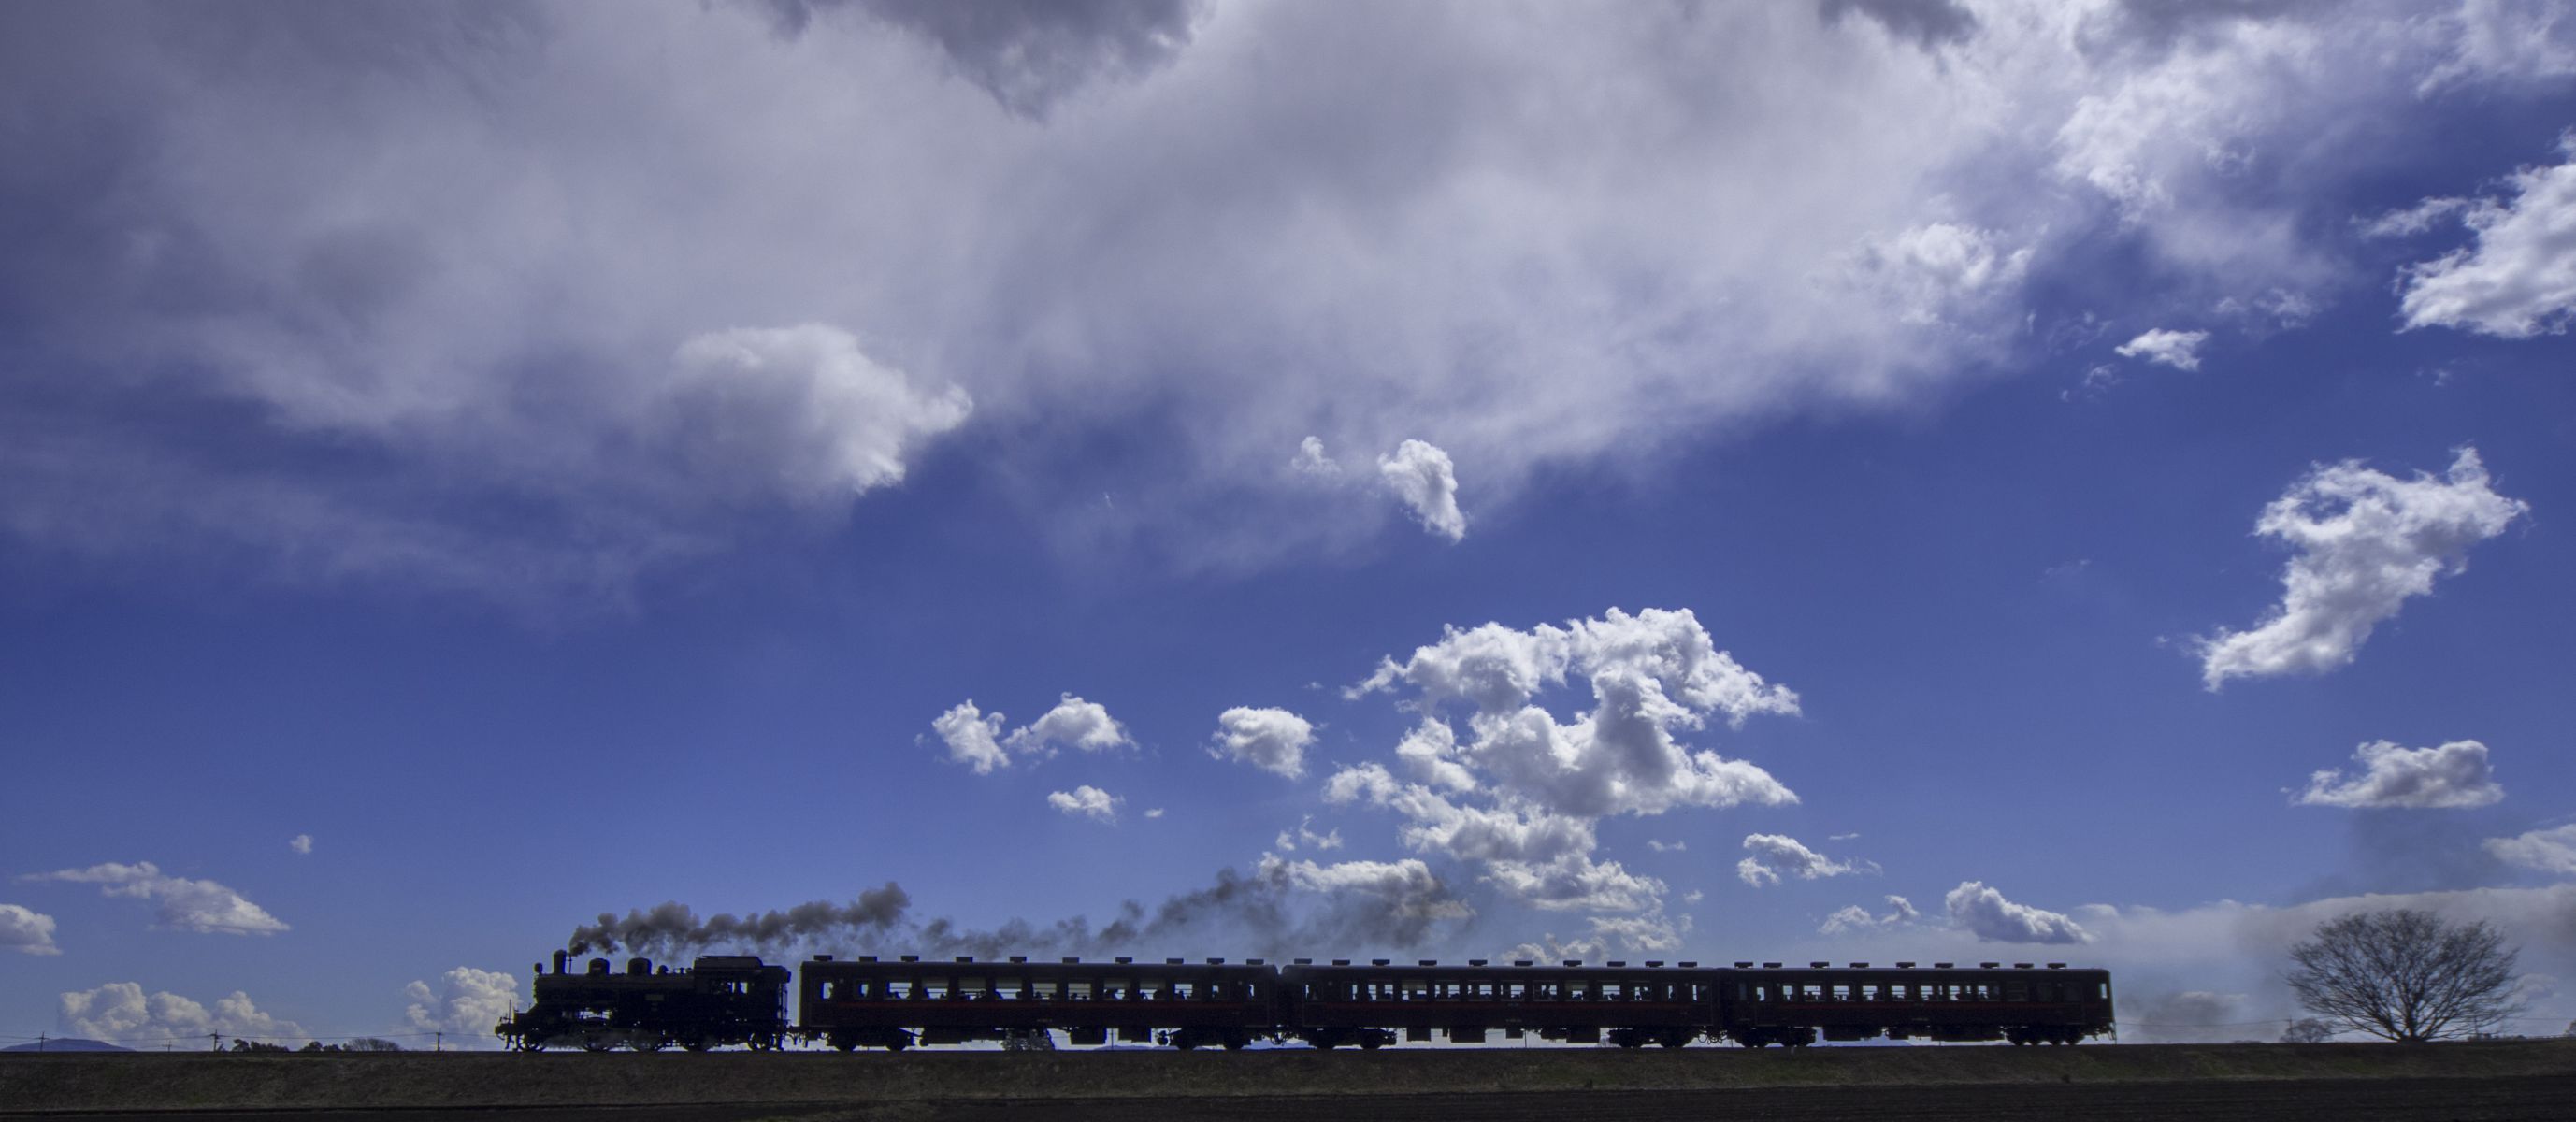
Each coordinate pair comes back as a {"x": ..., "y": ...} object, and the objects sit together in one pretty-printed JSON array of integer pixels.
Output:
[
  {"x": 1311, "y": 460},
  {"x": 465, "y": 1004},
  {"x": 1087, "y": 801},
  {"x": 697, "y": 321},
  {"x": 1901, "y": 913},
  {"x": 1422, "y": 476},
  {"x": 2177, "y": 349},
  {"x": 300, "y": 843},
  {"x": 1156, "y": 812},
  {"x": 1650, "y": 674},
  {"x": 1302, "y": 837},
  {"x": 2367, "y": 542},
  {"x": 1430, "y": 752},
  {"x": 1775, "y": 855},
  {"x": 2409, "y": 221},
  {"x": 26, "y": 931},
  {"x": 189, "y": 905},
  {"x": 1660, "y": 846},
  {"x": 2454, "y": 775},
  {"x": 1541, "y": 858},
  {"x": 975, "y": 738},
  {"x": 1984, "y": 912},
  {"x": 1273, "y": 740},
  {"x": 1537, "y": 783},
  {"x": 1073, "y": 722},
  {"x": 119, "y": 1011},
  {"x": 798, "y": 412},
  {"x": 1404, "y": 888},
  {"x": 2518, "y": 279},
  {"x": 2550, "y": 851}
]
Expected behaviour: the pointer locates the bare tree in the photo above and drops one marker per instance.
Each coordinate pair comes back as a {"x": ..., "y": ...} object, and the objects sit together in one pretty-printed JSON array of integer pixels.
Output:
[
  {"x": 2307, "y": 1030},
  {"x": 2406, "y": 975}
]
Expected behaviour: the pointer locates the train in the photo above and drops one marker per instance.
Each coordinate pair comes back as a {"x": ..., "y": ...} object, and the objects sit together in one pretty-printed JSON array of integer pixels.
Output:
[{"x": 870, "y": 1002}]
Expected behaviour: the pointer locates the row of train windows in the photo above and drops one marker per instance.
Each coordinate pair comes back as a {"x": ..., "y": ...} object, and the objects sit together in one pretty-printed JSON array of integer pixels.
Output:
[
  {"x": 1900, "y": 991},
  {"x": 1018, "y": 989},
  {"x": 1577, "y": 989}
]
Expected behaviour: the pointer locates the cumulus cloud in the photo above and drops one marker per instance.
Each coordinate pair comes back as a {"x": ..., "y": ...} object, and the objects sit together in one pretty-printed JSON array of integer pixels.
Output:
[
  {"x": 466, "y": 1003},
  {"x": 1661, "y": 846},
  {"x": 1541, "y": 858},
  {"x": 2177, "y": 349},
  {"x": 2550, "y": 851},
  {"x": 1901, "y": 913},
  {"x": 975, "y": 738},
  {"x": 1776, "y": 855},
  {"x": 1311, "y": 460},
  {"x": 121, "y": 1012},
  {"x": 1302, "y": 837},
  {"x": 2515, "y": 280},
  {"x": 300, "y": 843},
  {"x": 1520, "y": 795},
  {"x": 26, "y": 931},
  {"x": 797, "y": 411},
  {"x": 189, "y": 905},
  {"x": 2452, "y": 776},
  {"x": 1422, "y": 477},
  {"x": 512, "y": 267},
  {"x": 1649, "y": 933},
  {"x": 1273, "y": 740},
  {"x": 1984, "y": 912},
  {"x": 1087, "y": 801},
  {"x": 2367, "y": 542},
  {"x": 1072, "y": 723},
  {"x": 1650, "y": 675}
]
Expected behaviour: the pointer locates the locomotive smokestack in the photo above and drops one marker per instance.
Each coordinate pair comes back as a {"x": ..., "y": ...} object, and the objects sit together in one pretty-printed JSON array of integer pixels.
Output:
[{"x": 559, "y": 960}]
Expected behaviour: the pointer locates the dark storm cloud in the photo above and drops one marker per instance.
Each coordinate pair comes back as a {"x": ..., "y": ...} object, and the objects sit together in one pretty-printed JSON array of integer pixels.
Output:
[
  {"x": 1929, "y": 23},
  {"x": 1026, "y": 53}
]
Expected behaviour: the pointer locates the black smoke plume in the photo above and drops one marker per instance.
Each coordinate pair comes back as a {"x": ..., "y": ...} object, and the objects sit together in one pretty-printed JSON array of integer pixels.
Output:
[{"x": 1242, "y": 913}]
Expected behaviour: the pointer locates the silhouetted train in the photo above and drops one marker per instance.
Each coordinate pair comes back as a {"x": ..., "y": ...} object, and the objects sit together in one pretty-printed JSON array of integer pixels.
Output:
[{"x": 725, "y": 1000}]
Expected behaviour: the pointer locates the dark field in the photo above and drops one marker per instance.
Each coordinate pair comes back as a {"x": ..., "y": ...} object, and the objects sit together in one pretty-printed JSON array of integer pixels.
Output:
[{"x": 2485, "y": 1081}]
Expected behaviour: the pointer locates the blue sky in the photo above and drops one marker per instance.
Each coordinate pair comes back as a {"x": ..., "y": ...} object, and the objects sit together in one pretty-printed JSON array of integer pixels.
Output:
[{"x": 1409, "y": 479}]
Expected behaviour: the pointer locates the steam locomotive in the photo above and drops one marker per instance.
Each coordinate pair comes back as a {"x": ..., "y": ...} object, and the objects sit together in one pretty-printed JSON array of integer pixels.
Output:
[{"x": 725, "y": 1000}]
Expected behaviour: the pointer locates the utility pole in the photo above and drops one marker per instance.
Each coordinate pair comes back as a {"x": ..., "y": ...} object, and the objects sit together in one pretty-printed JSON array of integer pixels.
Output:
[
  {"x": 40, "y": 1042},
  {"x": 438, "y": 1042},
  {"x": 216, "y": 1041}
]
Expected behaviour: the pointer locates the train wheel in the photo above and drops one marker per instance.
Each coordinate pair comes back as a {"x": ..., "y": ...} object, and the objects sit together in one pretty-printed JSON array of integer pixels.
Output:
[
  {"x": 1235, "y": 1041},
  {"x": 897, "y": 1044},
  {"x": 701, "y": 1044},
  {"x": 648, "y": 1043},
  {"x": 1370, "y": 1043},
  {"x": 594, "y": 1044}
]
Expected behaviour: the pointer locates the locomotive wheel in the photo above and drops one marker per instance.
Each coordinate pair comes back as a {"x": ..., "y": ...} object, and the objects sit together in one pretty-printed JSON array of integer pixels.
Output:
[
  {"x": 701, "y": 1044},
  {"x": 898, "y": 1044},
  {"x": 1371, "y": 1043},
  {"x": 1234, "y": 1042},
  {"x": 594, "y": 1044}
]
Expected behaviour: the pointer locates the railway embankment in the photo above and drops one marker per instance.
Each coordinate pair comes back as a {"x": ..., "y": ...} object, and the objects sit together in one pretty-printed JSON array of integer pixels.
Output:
[{"x": 147, "y": 1082}]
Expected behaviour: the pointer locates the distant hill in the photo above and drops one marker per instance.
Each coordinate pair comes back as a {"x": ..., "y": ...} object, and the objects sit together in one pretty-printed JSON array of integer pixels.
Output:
[{"x": 67, "y": 1044}]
